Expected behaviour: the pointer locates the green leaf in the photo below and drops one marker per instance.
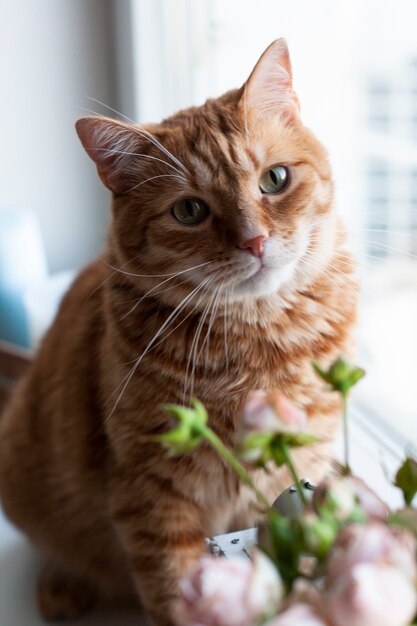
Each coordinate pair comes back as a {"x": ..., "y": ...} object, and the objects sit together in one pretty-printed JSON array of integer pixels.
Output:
[
  {"x": 259, "y": 448},
  {"x": 406, "y": 518},
  {"x": 200, "y": 411},
  {"x": 196, "y": 417},
  {"x": 256, "y": 449},
  {"x": 278, "y": 452},
  {"x": 295, "y": 440},
  {"x": 406, "y": 479},
  {"x": 318, "y": 535},
  {"x": 341, "y": 375},
  {"x": 321, "y": 372},
  {"x": 285, "y": 552},
  {"x": 356, "y": 375},
  {"x": 257, "y": 440},
  {"x": 178, "y": 440},
  {"x": 340, "y": 370},
  {"x": 189, "y": 430}
]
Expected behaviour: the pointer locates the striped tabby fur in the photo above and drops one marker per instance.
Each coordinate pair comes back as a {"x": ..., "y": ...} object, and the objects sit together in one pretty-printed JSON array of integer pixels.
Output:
[{"x": 139, "y": 328}]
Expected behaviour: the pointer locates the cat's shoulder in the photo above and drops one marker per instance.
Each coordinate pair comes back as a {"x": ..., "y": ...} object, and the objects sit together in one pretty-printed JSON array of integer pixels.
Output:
[
  {"x": 89, "y": 281},
  {"x": 86, "y": 291}
]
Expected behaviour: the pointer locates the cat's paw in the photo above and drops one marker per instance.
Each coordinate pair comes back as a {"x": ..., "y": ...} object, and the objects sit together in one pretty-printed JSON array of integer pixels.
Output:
[{"x": 62, "y": 595}]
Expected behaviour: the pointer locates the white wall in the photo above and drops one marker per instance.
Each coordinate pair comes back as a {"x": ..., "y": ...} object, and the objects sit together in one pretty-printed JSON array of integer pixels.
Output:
[{"x": 53, "y": 54}]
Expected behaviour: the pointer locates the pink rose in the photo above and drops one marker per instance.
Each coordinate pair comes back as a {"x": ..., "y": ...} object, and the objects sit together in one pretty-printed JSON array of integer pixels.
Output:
[
  {"x": 372, "y": 594},
  {"x": 372, "y": 543},
  {"x": 265, "y": 416},
  {"x": 371, "y": 575},
  {"x": 298, "y": 615},
  {"x": 270, "y": 412},
  {"x": 229, "y": 592}
]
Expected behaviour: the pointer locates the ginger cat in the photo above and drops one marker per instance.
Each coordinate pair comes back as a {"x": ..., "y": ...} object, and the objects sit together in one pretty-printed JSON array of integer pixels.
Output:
[{"x": 225, "y": 271}]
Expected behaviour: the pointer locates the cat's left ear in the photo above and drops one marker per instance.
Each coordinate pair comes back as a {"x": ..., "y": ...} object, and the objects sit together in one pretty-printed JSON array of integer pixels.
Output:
[
  {"x": 113, "y": 146},
  {"x": 268, "y": 91}
]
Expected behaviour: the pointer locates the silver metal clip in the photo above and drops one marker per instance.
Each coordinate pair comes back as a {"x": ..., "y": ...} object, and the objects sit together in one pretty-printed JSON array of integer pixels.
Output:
[{"x": 239, "y": 543}]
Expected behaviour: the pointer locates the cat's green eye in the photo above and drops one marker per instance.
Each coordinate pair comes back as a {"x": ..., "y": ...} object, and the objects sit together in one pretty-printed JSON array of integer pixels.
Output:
[
  {"x": 274, "y": 180},
  {"x": 190, "y": 212}
]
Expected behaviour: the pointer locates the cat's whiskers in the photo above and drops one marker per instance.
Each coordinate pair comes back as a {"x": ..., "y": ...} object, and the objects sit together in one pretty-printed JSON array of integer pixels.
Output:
[
  {"x": 390, "y": 248},
  {"x": 330, "y": 277},
  {"x": 96, "y": 113},
  {"x": 184, "y": 319},
  {"x": 339, "y": 282},
  {"x": 214, "y": 302},
  {"x": 192, "y": 353},
  {"x": 342, "y": 276},
  {"x": 173, "y": 315},
  {"x": 153, "y": 289},
  {"x": 103, "y": 282},
  {"x": 172, "y": 274},
  {"x": 213, "y": 315},
  {"x": 361, "y": 260},
  {"x": 143, "y": 156},
  {"x": 225, "y": 314},
  {"x": 325, "y": 220},
  {"x": 119, "y": 269},
  {"x": 140, "y": 131},
  {"x": 153, "y": 178},
  {"x": 386, "y": 230},
  {"x": 336, "y": 276},
  {"x": 157, "y": 293},
  {"x": 109, "y": 108},
  {"x": 357, "y": 261},
  {"x": 384, "y": 245},
  {"x": 148, "y": 135}
]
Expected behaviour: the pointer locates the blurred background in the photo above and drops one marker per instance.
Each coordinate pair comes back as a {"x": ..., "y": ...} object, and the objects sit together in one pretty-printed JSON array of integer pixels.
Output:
[{"x": 355, "y": 71}]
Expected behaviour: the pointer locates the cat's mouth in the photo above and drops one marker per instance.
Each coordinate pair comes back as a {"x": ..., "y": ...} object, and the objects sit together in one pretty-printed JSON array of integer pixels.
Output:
[{"x": 265, "y": 280}]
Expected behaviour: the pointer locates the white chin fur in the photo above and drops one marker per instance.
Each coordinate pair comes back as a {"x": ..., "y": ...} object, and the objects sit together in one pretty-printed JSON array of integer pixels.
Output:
[{"x": 265, "y": 282}]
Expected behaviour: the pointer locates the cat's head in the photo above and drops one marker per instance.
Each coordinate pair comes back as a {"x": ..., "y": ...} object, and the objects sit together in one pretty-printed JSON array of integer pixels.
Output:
[{"x": 235, "y": 195}]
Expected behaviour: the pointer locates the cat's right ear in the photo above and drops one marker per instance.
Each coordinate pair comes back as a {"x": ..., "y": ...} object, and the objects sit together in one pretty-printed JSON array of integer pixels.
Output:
[
  {"x": 269, "y": 91},
  {"x": 110, "y": 144}
]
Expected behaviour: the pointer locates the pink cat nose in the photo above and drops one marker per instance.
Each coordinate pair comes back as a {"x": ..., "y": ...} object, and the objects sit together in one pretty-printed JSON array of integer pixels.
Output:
[{"x": 255, "y": 245}]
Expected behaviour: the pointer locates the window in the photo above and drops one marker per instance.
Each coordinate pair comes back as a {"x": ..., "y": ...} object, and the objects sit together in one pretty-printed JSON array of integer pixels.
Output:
[{"x": 379, "y": 106}]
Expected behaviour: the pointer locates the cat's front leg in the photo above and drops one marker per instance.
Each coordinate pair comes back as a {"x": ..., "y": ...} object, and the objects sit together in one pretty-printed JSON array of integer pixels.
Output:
[{"x": 162, "y": 532}]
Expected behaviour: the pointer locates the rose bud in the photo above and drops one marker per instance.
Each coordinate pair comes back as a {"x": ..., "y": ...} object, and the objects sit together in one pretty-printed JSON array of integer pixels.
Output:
[
  {"x": 270, "y": 412},
  {"x": 229, "y": 592},
  {"x": 371, "y": 543},
  {"x": 267, "y": 422},
  {"x": 372, "y": 594},
  {"x": 298, "y": 615}
]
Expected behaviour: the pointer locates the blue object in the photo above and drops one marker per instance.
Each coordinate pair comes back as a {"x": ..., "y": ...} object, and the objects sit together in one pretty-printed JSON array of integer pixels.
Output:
[{"x": 22, "y": 263}]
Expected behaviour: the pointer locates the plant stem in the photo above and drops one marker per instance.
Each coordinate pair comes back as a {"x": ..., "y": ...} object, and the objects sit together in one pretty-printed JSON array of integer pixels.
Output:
[
  {"x": 293, "y": 472},
  {"x": 231, "y": 460},
  {"x": 346, "y": 432}
]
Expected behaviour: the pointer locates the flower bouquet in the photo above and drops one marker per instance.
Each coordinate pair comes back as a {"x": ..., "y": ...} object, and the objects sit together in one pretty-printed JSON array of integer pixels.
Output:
[{"x": 342, "y": 559}]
